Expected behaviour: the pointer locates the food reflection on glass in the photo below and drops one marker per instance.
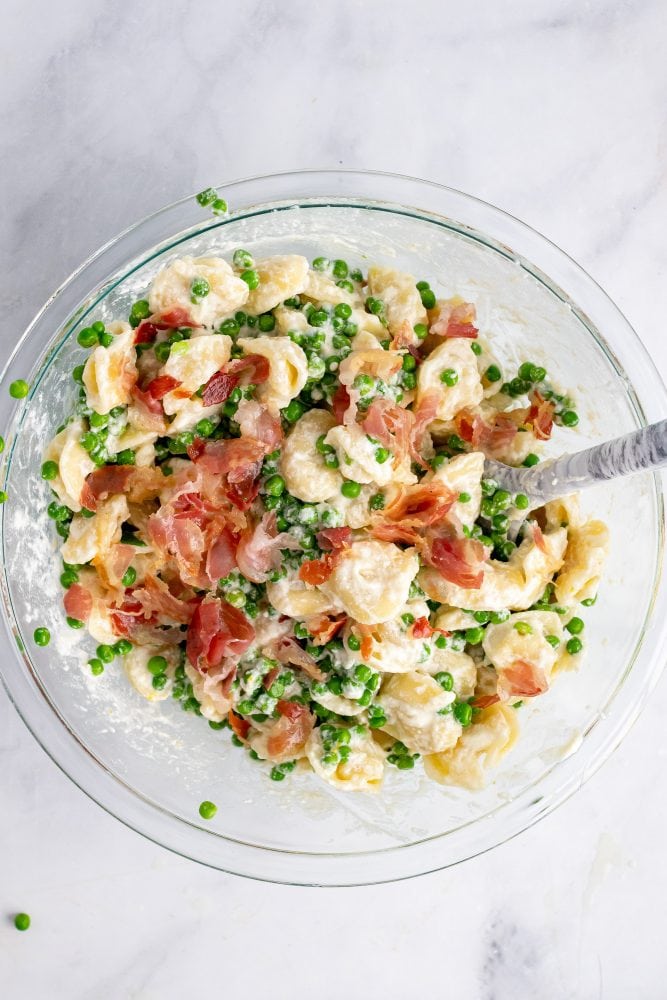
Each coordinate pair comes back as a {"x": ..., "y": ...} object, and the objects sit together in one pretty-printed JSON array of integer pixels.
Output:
[{"x": 273, "y": 508}]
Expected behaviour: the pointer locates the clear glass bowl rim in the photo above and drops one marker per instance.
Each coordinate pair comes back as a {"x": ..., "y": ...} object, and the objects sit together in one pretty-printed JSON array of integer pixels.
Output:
[{"x": 500, "y": 232}]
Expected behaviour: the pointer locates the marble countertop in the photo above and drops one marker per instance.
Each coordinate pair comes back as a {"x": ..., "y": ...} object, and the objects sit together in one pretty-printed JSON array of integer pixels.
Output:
[{"x": 555, "y": 111}]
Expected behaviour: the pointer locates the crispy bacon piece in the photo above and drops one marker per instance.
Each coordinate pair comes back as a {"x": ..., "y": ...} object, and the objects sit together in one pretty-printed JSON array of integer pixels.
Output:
[
  {"x": 288, "y": 736},
  {"x": 541, "y": 416},
  {"x": 420, "y": 505},
  {"x": 239, "y": 726},
  {"x": 78, "y": 602},
  {"x": 217, "y": 630},
  {"x": 148, "y": 329},
  {"x": 157, "y": 601},
  {"x": 489, "y": 435},
  {"x": 323, "y": 628},
  {"x": 422, "y": 629},
  {"x": 103, "y": 482},
  {"x": 316, "y": 571},
  {"x": 254, "y": 368},
  {"x": 288, "y": 650},
  {"x": 259, "y": 548},
  {"x": 158, "y": 387},
  {"x": 454, "y": 321},
  {"x": 459, "y": 561},
  {"x": 218, "y": 388},
  {"x": 521, "y": 680},
  {"x": 402, "y": 534},
  {"x": 331, "y": 539},
  {"x": 221, "y": 556}
]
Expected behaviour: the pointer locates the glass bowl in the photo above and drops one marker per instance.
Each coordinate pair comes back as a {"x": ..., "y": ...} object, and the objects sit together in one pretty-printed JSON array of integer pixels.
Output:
[{"x": 150, "y": 765}]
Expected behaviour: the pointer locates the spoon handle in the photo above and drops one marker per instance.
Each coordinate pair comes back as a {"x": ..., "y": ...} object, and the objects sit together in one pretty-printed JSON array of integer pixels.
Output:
[{"x": 635, "y": 452}]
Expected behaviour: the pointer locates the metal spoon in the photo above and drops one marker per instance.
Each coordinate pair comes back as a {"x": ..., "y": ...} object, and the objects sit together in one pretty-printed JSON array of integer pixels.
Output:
[{"x": 635, "y": 452}]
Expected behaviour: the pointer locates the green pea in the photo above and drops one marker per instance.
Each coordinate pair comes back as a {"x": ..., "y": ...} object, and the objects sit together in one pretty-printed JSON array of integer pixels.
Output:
[
  {"x": 106, "y": 339},
  {"x": 353, "y": 643},
  {"x": 205, "y": 427},
  {"x": 19, "y": 389},
  {"x": 340, "y": 269},
  {"x": 343, "y": 310},
  {"x": 463, "y": 712},
  {"x": 126, "y": 457},
  {"x": 140, "y": 310},
  {"x": 530, "y": 460},
  {"x": 569, "y": 418},
  {"x": 162, "y": 351},
  {"x": 350, "y": 489},
  {"x": 381, "y": 455},
  {"x": 159, "y": 682},
  {"x": 449, "y": 377},
  {"x": 421, "y": 331},
  {"x": 156, "y": 665},
  {"x": 374, "y": 306},
  {"x": 553, "y": 640},
  {"x": 74, "y": 623},
  {"x": 362, "y": 673},
  {"x": 96, "y": 667},
  {"x": 22, "y": 921},
  {"x": 502, "y": 500},
  {"x": 49, "y": 470},
  {"x": 123, "y": 647},
  {"x": 207, "y": 810},
  {"x": 42, "y": 636},
  {"x": 409, "y": 380},
  {"x": 219, "y": 206},
  {"x": 105, "y": 653},
  {"x": 207, "y": 197},
  {"x": 243, "y": 260},
  {"x": 87, "y": 337},
  {"x": 68, "y": 578},
  {"x": 575, "y": 626},
  {"x": 493, "y": 373},
  {"x": 377, "y": 501},
  {"x": 293, "y": 411},
  {"x": 199, "y": 289},
  {"x": 77, "y": 373},
  {"x": 476, "y": 348},
  {"x": 474, "y": 636},
  {"x": 251, "y": 278},
  {"x": 2, "y": 444},
  {"x": 574, "y": 646},
  {"x": 500, "y": 522},
  {"x": 445, "y": 680},
  {"x": 521, "y": 501},
  {"x": 266, "y": 322},
  {"x": 427, "y": 297},
  {"x": 321, "y": 264}
]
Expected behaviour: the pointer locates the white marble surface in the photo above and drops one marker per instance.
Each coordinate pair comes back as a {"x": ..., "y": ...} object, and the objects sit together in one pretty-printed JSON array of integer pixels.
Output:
[{"x": 556, "y": 112}]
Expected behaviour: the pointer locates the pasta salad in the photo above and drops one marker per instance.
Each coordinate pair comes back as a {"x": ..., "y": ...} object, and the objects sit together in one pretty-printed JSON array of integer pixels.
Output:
[{"x": 273, "y": 509}]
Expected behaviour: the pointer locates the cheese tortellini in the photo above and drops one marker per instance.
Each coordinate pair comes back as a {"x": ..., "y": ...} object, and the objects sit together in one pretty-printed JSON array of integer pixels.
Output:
[
  {"x": 289, "y": 369},
  {"x": 455, "y": 358},
  {"x": 135, "y": 665},
  {"x": 400, "y": 295},
  {"x": 358, "y": 583},
  {"x": 110, "y": 372},
  {"x": 363, "y": 461},
  {"x": 280, "y": 278},
  {"x": 172, "y": 288},
  {"x": 74, "y": 464},
  {"x": 419, "y": 713},
  {"x": 92, "y": 537},
  {"x": 302, "y": 466},
  {"x": 585, "y": 555},
  {"x": 463, "y": 475},
  {"x": 193, "y": 363},
  {"x": 480, "y": 746},
  {"x": 363, "y": 768}
]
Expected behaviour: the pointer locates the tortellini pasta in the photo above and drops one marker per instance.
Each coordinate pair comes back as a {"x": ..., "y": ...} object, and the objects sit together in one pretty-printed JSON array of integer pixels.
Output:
[
  {"x": 454, "y": 356},
  {"x": 418, "y": 712},
  {"x": 280, "y": 278},
  {"x": 190, "y": 412},
  {"x": 207, "y": 689},
  {"x": 400, "y": 295},
  {"x": 290, "y": 596},
  {"x": 91, "y": 537},
  {"x": 515, "y": 584},
  {"x": 462, "y": 475},
  {"x": 193, "y": 363},
  {"x": 587, "y": 549},
  {"x": 110, "y": 372},
  {"x": 302, "y": 465},
  {"x": 394, "y": 649},
  {"x": 524, "y": 637},
  {"x": 461, "y": 667},
  {"x": 480, "y": 746},
  {"x": 364, "y": 461},
  {"x": 320, "y": 288},
  {"x": 358, "y": 583},
  {"x": 74, "y": 464},
  {"x": 289, "y": 369},
  {"x": 172, "y": 288},
  {"x": 362, "y": 771}
]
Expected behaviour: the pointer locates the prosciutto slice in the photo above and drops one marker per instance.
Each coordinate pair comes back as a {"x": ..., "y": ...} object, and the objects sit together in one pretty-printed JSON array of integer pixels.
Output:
[
  {"x": 259, "y": 548},
  {"x": 459, "y": 561},
  {"x": 288, "y": 736},
  {"x": 78, "y": 602},
  {"x": 217, "y": 630}
]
